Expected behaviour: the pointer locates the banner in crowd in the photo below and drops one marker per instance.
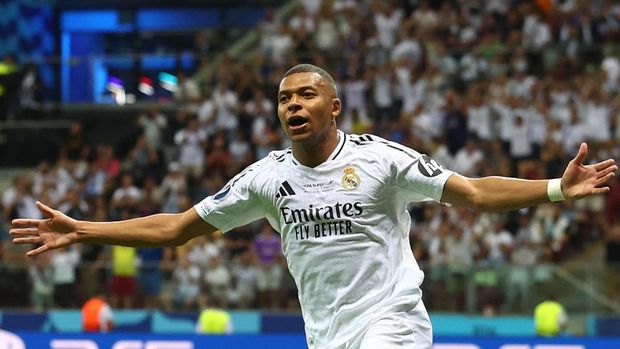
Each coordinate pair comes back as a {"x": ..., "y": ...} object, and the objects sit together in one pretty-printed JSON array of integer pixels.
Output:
[{"x": 253, "y": 322}]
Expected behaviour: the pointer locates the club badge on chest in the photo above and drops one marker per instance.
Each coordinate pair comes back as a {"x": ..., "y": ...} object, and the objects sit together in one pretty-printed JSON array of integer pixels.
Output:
[{"x": 350, "y": 179}]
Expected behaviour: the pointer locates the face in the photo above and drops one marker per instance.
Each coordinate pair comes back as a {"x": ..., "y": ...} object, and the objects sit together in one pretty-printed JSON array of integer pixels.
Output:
[{"x": 307, "y": 107}]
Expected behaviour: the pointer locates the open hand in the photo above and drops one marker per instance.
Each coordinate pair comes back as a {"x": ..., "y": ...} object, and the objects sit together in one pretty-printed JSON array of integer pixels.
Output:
[
  {"x": 581, "y": 180},
  {"x": 58, "y": 230}
]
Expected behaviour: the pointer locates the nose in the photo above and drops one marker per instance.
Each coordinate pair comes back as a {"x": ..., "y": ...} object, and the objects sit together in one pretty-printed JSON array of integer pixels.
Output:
[{"x": 293, "y": 104}]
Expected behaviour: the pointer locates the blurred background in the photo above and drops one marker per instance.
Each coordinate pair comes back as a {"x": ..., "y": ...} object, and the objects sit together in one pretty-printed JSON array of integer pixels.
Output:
[{"x": 115, "y": 109}]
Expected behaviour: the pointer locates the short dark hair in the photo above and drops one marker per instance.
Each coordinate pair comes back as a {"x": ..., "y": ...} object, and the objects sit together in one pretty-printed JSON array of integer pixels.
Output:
[{"x": 310, "y": 68}]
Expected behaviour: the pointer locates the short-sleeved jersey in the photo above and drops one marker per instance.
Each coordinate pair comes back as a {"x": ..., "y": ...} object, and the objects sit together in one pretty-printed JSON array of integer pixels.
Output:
[{"x": 344, "y": 226}]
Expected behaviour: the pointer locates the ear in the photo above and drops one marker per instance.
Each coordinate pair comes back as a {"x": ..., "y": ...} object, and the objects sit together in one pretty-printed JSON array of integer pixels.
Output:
[{"x": 336, "y": 107}]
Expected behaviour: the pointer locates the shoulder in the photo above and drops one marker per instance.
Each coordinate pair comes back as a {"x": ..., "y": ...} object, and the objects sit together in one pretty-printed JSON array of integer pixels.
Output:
[
  {"x": 263, "y": 172},
  {"x": 372, "y": 145},
  {"x": 261, "y": 167}
]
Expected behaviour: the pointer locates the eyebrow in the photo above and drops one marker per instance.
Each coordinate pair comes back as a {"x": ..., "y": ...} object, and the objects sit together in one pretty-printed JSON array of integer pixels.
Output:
[{"x": 300, "y": 88}]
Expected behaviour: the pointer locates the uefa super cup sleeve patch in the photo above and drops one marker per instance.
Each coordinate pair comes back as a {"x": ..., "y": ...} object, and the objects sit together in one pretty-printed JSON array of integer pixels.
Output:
[{"x": 204, "y": 208}]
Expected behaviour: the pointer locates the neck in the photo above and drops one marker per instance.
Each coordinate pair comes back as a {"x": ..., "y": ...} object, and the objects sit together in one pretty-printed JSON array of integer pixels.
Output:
[{"x": 315, "y": 152}]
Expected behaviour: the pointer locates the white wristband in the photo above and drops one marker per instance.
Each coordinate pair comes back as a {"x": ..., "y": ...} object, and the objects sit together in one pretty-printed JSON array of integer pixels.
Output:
[{"x": 554, "y": 190}]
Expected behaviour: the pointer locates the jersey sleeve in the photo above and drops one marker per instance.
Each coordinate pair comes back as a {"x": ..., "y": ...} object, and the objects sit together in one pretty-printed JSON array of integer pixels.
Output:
[
  {"x": 416, "y": 176},
  {"x": 236, "y": 204}
]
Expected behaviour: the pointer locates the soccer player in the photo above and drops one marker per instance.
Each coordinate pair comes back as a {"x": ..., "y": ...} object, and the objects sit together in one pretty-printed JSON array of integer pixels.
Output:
[{"x": 339, "y": 203}]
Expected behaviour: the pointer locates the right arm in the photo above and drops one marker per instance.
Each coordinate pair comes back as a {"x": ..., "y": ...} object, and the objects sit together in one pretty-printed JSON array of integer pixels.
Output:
[{"x": 60, "y": 230}]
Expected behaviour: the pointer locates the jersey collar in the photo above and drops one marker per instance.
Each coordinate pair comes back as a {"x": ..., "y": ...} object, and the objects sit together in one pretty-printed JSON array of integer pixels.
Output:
[{"x": 342, "y": 140}]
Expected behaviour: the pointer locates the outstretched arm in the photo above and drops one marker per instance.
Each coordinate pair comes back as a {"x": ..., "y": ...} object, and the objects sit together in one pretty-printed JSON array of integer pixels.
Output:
[
  {"x": 60, "y": 230},
  {"x": 506, "y": 194}
]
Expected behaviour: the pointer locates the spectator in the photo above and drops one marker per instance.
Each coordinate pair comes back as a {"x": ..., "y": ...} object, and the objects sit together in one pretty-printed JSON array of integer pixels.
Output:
[
  {"x": 97, "y": 315},
  {"x": 268, "y": 249},
  {"x": 41, "y": 275},
  {"x": 9, "y": 86},
  {"x": 153, "y": 124},
  {"x": 355, "y": 88},
  {"x": 240, "y": 151},
  {"x": 302, "y": 22},
  {"x": 124, "y": 272},
  {"x": 468, "y": 159},
  {"x": 227, "y": 107},
  {"x": 203, "y": 249},
  {"x": 382, "y": 92},
  {"x": 127, "y": 196},
  {"x": 219, "y": 160},
  {"x": 499, "y": 243},
  {"x": 75, "y": 141},
  {"x": 64, "y": 263},
  {"x": 174, "y": 182},
  {"x": 191, "y": 141},
  {"x": 139, "y": 155},
  {"x": 327, "y": 32},
  {"x": 217, "y": 280},
  {"x": 214, "y": 320},
  {"x": 244, "y": 278},
  {"x": 268, "y": 28},
  {"x": 187, "y": 90},
  {"x": 281, "y": 45},
  {"x": 550, "y": 318},
  {"x": 73, "y": 204},
  {"x": 455, "y": 123},
  {"x": 387, "y": 20},
  {"x": 107, "y": 161},
  {"x": 187, "y": 277},
  {"x": 153, "y": 262}
]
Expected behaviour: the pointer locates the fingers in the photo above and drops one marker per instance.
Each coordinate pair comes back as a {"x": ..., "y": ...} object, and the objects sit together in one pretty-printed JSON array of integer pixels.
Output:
[
  {"x": 606, "y": 179},
  {"x": 606, "y": 171},
  {"x": 581, "y": 154},
  {"x": 28, "y": 240},
  {"x": 37, "y": 250},
  {"x": 604, "y": 164},
  {"x": 24, "y": 222},
  {"x": 24, "y": 231},
  {"x": 601, "y": 190},
  {"x": 47, "y": 211}
]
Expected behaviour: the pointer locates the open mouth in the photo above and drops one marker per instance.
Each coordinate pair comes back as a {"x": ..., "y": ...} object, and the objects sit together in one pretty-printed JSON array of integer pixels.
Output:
[{"x": 296, "y": 121}]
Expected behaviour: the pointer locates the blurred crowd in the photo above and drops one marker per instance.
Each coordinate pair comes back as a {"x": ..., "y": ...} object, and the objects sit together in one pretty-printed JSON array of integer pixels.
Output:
[{"x": 491, "y": 87}]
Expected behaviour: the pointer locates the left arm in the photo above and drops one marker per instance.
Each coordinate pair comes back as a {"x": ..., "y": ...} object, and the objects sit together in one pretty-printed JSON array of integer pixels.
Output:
[{"x": 506, "y": 194}]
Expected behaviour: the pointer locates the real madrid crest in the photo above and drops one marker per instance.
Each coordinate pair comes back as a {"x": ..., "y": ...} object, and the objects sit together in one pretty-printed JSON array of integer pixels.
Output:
[{"x": 350, "y": 180}]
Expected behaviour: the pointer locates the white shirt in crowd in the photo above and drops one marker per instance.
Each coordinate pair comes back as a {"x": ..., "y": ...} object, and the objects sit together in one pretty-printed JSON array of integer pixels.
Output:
[
  {"x": 480, "y": 122},
  {"x": 466, "y": 160},
  {"x": 382, "y": 89},
  {"x": 494, "y": 241},
  {"x": 597, "y": 120},
  {"x": 225, "y": 101},
  {"x": 190, "y": 143},
  {"x": 64, "y": 263},
  {"x": 387, "y": 26},
  {"x": 521, "y": 144},
  {"x": 354, "y": 93},
  {"x": 536, "y": 33}
]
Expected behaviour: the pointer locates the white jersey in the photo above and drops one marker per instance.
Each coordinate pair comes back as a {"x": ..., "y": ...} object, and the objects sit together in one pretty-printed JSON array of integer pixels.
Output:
[{"x": 344, "y": 228}]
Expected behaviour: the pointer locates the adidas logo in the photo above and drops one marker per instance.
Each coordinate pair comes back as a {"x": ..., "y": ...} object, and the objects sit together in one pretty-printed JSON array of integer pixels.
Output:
[{"x": 285, "y": 190}]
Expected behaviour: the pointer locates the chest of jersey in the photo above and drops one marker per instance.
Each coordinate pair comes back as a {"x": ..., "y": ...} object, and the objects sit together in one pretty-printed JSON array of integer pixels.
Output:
[{"x": 322, "y": 205}]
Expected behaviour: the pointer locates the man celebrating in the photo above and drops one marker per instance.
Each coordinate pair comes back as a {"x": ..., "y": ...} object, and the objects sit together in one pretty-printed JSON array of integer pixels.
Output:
[{"x": 339, "y": 203}]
